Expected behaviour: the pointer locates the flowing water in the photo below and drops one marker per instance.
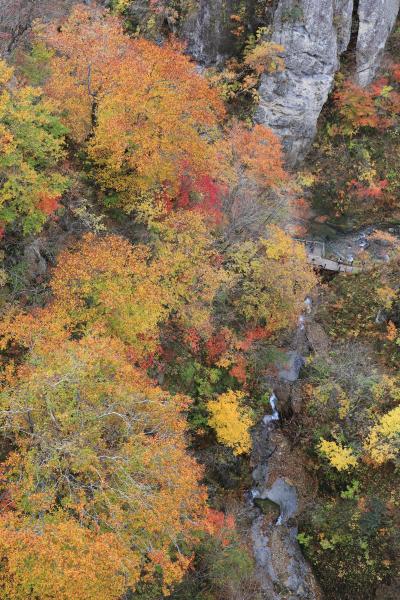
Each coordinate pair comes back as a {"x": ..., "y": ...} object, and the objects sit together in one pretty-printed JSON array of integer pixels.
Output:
[{"x": 283, "y": 572}]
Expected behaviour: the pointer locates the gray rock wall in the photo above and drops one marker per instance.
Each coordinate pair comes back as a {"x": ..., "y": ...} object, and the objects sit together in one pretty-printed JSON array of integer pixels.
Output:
[
  {"x": 314, "y": 34},
  {"x": 376, "y": 21},
  {"x": 208, "y": 29},
  {"x": 291, "y": 101}
]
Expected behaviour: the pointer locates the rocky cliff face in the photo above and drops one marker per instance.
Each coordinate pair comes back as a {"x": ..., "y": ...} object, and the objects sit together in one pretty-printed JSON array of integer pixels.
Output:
[
  {"x": 376, "y": 21},
  {"x": 16, "y": 17},
  {"x": 208, "y": 29},
  {"x": 291, "y": 101},
  {"x": 314, "y": 34}
]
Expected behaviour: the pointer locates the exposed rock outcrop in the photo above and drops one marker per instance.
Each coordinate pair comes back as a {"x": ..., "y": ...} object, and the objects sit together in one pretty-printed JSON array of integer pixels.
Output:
[
  {"x": 17, "y": 16},
  {"x": 314, "y": 34},
  {"x": 209, "y": 29},
  {"x": 376, "y": 21}
]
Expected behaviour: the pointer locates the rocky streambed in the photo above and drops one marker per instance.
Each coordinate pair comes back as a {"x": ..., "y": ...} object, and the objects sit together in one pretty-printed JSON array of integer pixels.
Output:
[{"x": 282, "y": 486}]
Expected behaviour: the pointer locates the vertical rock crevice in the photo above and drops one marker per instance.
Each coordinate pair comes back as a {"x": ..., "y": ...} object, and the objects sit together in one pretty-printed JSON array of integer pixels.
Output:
[
  {"x": 209, "y": 29},
  {"x": 315, "y": 33},
  {"x": 376, "y": 21}
]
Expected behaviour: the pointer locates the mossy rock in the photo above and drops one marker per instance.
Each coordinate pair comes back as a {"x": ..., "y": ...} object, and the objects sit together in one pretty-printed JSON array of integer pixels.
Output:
[{"x": 268, "y": 507}]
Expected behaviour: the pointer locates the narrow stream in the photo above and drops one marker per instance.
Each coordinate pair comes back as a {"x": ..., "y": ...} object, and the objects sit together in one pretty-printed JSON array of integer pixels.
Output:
[
  {"x": 275, "y": 414},
  {"x": 273, "y": 503}
]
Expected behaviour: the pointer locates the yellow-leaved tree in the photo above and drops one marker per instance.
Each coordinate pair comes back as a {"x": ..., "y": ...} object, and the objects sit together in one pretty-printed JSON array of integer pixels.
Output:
[
  {"x": 339, "y": 456},
  {"x": 270, "y": 278},
  {"x": 383, "y": 442},
  {"x": 232, "y": 421}
]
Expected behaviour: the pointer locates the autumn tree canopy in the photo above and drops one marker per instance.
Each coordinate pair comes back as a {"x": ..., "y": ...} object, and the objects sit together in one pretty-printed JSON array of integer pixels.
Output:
[
  {"x": 151, "y": 124},
  {"x": 100, "y": 495},
  {"x": 147, "y": 117},
  {"x": 31, "y": 148},
  {"x": 106, "y": 286},
  {"x": 270, "y": 279},
  {"x": 97, "y": 443}
]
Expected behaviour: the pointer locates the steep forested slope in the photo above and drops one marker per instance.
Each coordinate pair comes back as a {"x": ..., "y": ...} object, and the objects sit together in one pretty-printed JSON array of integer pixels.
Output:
[{"x": 195, "y": 401}]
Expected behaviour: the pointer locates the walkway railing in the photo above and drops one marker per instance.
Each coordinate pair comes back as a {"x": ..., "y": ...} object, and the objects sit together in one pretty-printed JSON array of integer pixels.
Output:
[
  {"x": 318, "y": 258},
  {"x": 312, "y": 244}
]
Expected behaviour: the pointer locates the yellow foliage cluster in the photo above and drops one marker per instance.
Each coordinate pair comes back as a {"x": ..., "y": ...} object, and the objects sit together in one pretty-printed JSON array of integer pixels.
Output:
[
  {"x": 388, "y": 387},
  {"x": 265, "y": 56},
  {"x": 271, "y": 279},
  {"x": 231, "y": 421},
  {"x": 387, "y": 296},
  {"x": 339, "y": 457},
  {"x": 383, "y": 442}
]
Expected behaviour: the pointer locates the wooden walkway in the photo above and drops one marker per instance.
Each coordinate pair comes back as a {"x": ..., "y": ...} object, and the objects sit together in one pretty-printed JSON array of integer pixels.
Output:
[
  {"x": 330, "y": 265},
  {"x": 316, "y": 256}
]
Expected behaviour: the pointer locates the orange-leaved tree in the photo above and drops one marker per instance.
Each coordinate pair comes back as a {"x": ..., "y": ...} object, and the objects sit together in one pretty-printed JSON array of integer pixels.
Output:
[
  {"x": 147, "y": 117},
  {"x": 106, "y": 286},
  {"x": 58, "y": 558},
  {"x": 100, "y": 286},
  {"x": 97, "y": 449},
  {"x": 255, "y": 154}
]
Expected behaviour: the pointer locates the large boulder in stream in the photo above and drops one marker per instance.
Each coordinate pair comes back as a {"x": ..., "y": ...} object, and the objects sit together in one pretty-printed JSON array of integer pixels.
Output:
[
  {"x": 283, "y": 572},
  {"x": 284, "y": 494},
  {"x": 290, "y": 367},
  {"x": 35, "y": 261},
  {"x": 317, "y": 338}
]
